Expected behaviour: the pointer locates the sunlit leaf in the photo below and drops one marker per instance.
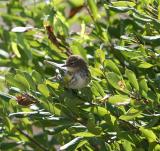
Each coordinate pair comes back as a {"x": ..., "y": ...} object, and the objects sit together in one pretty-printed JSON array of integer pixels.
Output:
[
  {"x": 123, "y": 4},
  {"x": 131, "y": 114},
  {"x": 98, "y": 88},
  {"x": 119, "y": 9},
  {"x": 21, "y": 29},
  {"x": 11, "y": 80},
  {"x": 109, "y": 64},
  {"x": 127, "y": 146},
  {"x": 15, "y": 49},
  {"x": 22, "y": 80},
  {"x": 100, "y": 111},
  {"x": 145, "y": 65},
  {"x": 152, "y": 38},
  {"x": 116, "y": 82},
  {"x": 37, "y": 77},
  {"x": 132, "y": 79},
  {"x": 93, "y": 8},
  {"x": 148, "y": 134},
  {"x": 72, "y": 143},
  {"x": 44, "y": 90},
  {"x": 119, "y": 100},
  {"x": 84, "y": 134}
]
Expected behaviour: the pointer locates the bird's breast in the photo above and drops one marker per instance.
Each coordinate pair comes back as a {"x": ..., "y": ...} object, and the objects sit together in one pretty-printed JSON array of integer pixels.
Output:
[{"x": 79, "y": 80}]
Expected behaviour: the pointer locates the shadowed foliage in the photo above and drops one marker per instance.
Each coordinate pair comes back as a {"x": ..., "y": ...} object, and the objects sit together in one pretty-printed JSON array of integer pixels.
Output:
[{"x": 118, "y": 111}]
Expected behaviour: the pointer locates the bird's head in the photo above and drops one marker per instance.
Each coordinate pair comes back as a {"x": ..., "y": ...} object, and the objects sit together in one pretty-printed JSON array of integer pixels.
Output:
[{"x": 75, "y": 62}]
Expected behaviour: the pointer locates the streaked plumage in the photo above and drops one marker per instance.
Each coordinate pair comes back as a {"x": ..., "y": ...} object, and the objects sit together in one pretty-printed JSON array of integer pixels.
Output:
[{"x": 77, "y": 75}]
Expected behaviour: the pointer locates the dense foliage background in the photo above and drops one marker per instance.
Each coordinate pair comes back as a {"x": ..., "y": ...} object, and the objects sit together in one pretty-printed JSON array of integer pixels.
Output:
[{"x": 119, "y": 110}]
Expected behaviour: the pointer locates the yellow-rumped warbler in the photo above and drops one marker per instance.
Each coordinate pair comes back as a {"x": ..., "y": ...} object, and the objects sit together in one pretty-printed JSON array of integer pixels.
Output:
[{"x": 76, "y": 75}]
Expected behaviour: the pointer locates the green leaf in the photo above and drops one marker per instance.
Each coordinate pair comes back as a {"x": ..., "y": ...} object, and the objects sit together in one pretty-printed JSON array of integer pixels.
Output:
[
  {"x": 100, "y": 55},
  {"x": 132, "y": 79},
  {"x": 93, "y": 8},
  {"x": 131, "y": 114},
  {"x": 119, "y": 9},
  {"x": 119, "y": 100},
  {"x": 38, "y": 114},
  {"x": 30, "y": 80},
  {"x": 77, "y": 3},
  {"x": 22, "y": 80},
  {"x": 8, "y": 124},
  {"x": 15, "y": 49},
  {"x": 143, "y": 84},
  {"x": 109, "y": 64},
  {"x": 123, "y": 4},
  {"x": 154, "y": 146},
  {"x": 37, "y": 77},
  {"x": 54, "y": 85},
  {"x": 141, "y": 19},
  {"x": 145, "y": 65},
  {"x": 100, "y": 111},
  {"x": 98, "y": 88},
  {"x": 96, "y": 72},
  {"x": 15, "y": 82},
  {"x": 57, "y": 129},
  {"x": 44, "y": 90},
  {"x": 72, "y": 144},
  {"x": 148, "y": 134},
  {"x": 92, "y": 127},
  {"x": 122, "y": 48},
  {"x": 127, "y": 145},
  {"x": 84, "y": 134},
  {"x": 82, "y": 143},
  {"x": 60, "y": 25},
  {"x": 116, "y": 81},
  {"x": 152, "y": 38},
  {"x": 12, "y": 17},
  {"x": 113, "y": 79},
  {"x": 9, "y": 145},
  {"x": 22, "y": 42},
  {"x": 78, "y": 49},
  {"x": 5, "y": 96}
]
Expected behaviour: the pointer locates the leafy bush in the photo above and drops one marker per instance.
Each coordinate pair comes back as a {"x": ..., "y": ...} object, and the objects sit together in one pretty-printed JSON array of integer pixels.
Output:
[{"x": 119, "y": 110}]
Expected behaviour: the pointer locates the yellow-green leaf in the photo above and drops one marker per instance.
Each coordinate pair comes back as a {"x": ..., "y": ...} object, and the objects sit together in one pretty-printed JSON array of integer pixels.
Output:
[
  {"x": 119, "y": 100},
  {"x": 93, "y": 8},
  {"x": 131, "y": 114},
  {"x": 148, "y": 134},
  {"x": 132, "y": 79},
  {"x": 15, "y": 49},
  {"x": 43, "y": 89},
  {"x": 22, "y": 80},
  {"x": 123, "y": 4},
  {"x": 109, "y": 64},
  {"x": 145, "y": 65},
  {"x": 84, "y": 134}
]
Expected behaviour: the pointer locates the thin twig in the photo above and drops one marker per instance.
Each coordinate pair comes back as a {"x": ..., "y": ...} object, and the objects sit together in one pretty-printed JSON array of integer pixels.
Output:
[
  {"x": 75, "y": 10},
  {"x": 54, "y": 40},
  {"x": 95, "y": 23},
  {"x": 32, "y": 140},
  {"x": 90, "y": 14}
]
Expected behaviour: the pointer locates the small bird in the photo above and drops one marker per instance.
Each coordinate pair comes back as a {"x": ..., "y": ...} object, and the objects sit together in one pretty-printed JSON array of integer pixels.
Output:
[
  {"x": 77, "y": 75},
  {"x": 74, "y": 74}
]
